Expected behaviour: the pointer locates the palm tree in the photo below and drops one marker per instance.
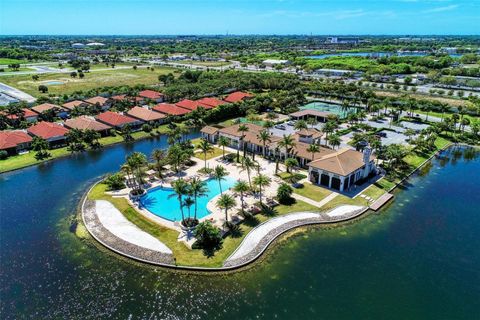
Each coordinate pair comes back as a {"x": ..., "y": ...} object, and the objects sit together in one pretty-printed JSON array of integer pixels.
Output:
[
  {"x": 300, "y": 124},
  {"x": 264, "y": 136},
  {"x": 223, "y": 142},
  {"x": 287, "y": 142},
  {"x": 241, "y": 187},
  {"x": 136, "y": 161},
  {"x": 219, "y": 173},
  {"x": 261, "y": 181},
  {"x": 290, "y": 163},
  {"x": 198, "y": 188},
  {"x": 313, "y": 148},
  {"x": 249, "y": 165},
  {"x": 180, "y": 189},
  {"x": 334, "y": 140},
  {"x": 188, "y": 203},
  {"x": 242, "y": 128},
  {"x": 205, "y": 147},
  {"x": 312, "y": 121},
  {"x": 329, "y": 128},
  {"x": 226, "y": 202},
  {"x": 159, "y": 156},
  {"x": 268, "y": 125}
]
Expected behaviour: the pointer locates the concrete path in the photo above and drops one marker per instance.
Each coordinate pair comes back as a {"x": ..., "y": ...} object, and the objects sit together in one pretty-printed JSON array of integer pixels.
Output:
[
  {"x": 15, "y": 93},
  {"x": 317, "y": 204},
  {"x": 115, "y": 222},
  {"x": 258, "y": 239}
]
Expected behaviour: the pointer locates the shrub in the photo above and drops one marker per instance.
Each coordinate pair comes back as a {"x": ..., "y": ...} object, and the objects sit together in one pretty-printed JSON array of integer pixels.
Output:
[
  {"x": 147, "y": 128},
  {"x": 115, "y": 181},
  {"x": 3, "y": 154},
  {"x": 284, "y": 194},
  {"x": 208, "y": 236}
]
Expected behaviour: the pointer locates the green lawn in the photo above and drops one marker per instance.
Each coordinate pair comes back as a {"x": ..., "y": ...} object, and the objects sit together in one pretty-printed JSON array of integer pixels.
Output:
[
  {"x": 316, "y": 193},
  {"x": 92, "y": 80},
  {"x": 7, "y": 61},
  {"x": 205, "y": 63},
  {"x": 439, "y": 115},
  {"x": 28, "y": 159},
  {"x": 215, "y": 153},
  {"x": 183, "y": 255}
]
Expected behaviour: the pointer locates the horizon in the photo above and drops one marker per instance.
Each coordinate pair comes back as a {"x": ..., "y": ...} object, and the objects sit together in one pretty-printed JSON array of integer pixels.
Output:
[{"x": 215, "y": 17}]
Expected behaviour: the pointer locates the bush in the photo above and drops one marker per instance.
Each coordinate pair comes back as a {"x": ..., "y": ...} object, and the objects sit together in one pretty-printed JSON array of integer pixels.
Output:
[
  {"x": 284, "y": 194},
  {"x": 115, "y": 181},
  {"x": 3, "y": 154},
  {"x": 147, "y": 128},
  {"x": 208, "y": 236}
]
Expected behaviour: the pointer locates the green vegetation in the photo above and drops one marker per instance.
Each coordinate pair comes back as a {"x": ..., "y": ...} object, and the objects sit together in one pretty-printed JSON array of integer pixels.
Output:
[
  {"x": 6, "y": 61},
  {"x": 315, "y": 193},
  {"x": 185, "y": 256},
  {"x": 212, "y": 154}
]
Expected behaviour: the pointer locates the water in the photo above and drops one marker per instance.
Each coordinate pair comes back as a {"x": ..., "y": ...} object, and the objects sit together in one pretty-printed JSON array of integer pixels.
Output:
[
  {"x": 163, "y": 202},
  {"x": 417, "y": 259},
  {"x": 374, "y": 54},
  {"x": 333, "y": 108},
  {"x": 54, "y": 82}
]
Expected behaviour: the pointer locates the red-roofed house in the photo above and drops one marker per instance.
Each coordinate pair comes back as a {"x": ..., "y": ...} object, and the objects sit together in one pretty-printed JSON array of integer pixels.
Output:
[
  {"x": 28, "y": 114},
  {"x": 119, "y": 97},
  {"x": 14, "y": 141},
  {"x": 52, "y": 132},
  {"x": 152, "y": 95},
  {"x": 237, "y": 96},
  {"x": 75, "y": 104},
  {"x": 118, "y": 121},
  {"x": 189, "y": 104},
  {"x": 209, "y": 103},
  {"x": 102, "y": 102},
  {"x": 87, "y": 123},
  {"x": 147, "y": 115},
  {"x": 46, "y": 107},
  {"x": 170, "y": 109}
]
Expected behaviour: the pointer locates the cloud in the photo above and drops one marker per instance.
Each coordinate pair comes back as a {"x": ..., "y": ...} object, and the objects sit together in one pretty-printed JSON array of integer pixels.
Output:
[{"x": 442, "y": 9}]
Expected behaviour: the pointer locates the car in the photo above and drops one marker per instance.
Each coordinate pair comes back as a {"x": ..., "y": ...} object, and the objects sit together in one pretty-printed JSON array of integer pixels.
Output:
[
  {"x": 291, "y": 123},
  {"x": 280, "y": 126},
  {"x": 382, "y": 134}
]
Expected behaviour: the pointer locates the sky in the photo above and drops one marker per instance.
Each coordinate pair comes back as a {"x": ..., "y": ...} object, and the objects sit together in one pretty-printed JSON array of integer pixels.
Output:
[{"x": 161, "y": 17}]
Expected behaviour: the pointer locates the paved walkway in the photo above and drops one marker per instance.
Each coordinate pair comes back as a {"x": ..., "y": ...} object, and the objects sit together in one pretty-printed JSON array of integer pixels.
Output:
[
  {"x": 317, "y": 204},
  {"x": 258, "y": 239}
]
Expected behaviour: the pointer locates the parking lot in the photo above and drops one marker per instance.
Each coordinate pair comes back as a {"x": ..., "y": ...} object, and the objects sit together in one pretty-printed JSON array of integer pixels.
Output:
[{"x": 392, "y": 138}]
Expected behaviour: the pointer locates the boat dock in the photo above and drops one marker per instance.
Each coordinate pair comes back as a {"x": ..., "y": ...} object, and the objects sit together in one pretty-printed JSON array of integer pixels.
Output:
[{"x": 381, "y": 201}]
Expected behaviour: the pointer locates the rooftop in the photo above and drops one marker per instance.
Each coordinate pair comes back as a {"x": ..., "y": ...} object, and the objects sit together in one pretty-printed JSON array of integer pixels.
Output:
[
  {"x": 145, "y": 114},
  {"x": 10, "y": 139},
  {"x": 237, "y": 96},
  {"x": 170, "y": 109},
  {"x": 97, "y": 99},
  {"x": 150, "y": 94},
  {"x": 115, "y": 119},
  {"x": 342, "y": 162},
  {"x": 47, "y": 130},
  {"x": 86, "y": 123},
  {"x": 73, "y": 104},
  {"x": 310, "y": 112},
  {"x": 45, "y": 107},
  {"x": 209, "y": 130},
  {"x": 189, "y": 104},
  {"x": 210, "y": 102}
]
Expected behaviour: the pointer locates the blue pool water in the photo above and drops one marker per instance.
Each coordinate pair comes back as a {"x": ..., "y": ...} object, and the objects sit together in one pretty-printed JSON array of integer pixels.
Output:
[
  {"x": 54, "y": 82},
  {"x": 160, "y": 202}
]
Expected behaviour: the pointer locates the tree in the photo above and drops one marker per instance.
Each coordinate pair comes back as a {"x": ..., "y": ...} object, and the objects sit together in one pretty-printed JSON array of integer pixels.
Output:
[
  {"x": 300, "y": 124},
  {"x": 264, "y": 137},
  {"x": 75, "y": 140},
  {"x": 115, "y": 181},
  {"x": 205, "y": 147},
  {"x": 41, "y": 146},
  {"x": 207, "y": 235},
  {"x": 284, "y": 193},
  {"x": 249, "y": 164},
  {"x": 312, "y": 122},
  {"x": 223, "y": 142},
  {"x": 135, "y": 162},
  {"x": 180, "y": 189},
  {"x": 35, "y": 77},
  {"x": 43, "y": 88},
  {"x": 226, "y": 202},
  {"x": 146, "y": 128},
  {"x": 197, "y": 188},
  {"x": 290, "y": 163},
  {"x": 73, "y": 74},
  {"x": 188, "y": 202},
  {"x": 334, "y": 140},
  {"x": 329, "y": 127},
  {"x": 91, "y": 137},
  {"x": 127, "y": 133},
  {"x": 159, "y": 156},
  {"x": 178, "y": 156},
  {"x": 242, "y": 128},
  {"x": 241, "y": 187},
  {"x": 313, "y": 148},
  {"x": 288, "y": 143},
  {"x": 261, "y": 181},
  {"x": 219, "y": 173}
]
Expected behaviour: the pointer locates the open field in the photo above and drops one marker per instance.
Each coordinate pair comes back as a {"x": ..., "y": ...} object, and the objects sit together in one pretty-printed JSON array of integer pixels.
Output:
[
  {"x": 92, "y": 80},
  {"x": 205, "y": 63},
  {"x": 4, "y": 61},
  {"x": 451, "y": 101},
  {"x": 183, "y": 255}
]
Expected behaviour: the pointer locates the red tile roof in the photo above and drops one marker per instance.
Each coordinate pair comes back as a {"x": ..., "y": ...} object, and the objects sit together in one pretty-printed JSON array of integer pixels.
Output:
[
  {"x": 73, "y": 104},
  {"x": 188, "y": 104},
  {"x": 150, "y": 94},
  {"x": 85, "y": 122},
  {"x": 170, "y": 109},
  {"x": 237, "y": 96},
  {"x": 145, "y": 114},
  {"x": 100, "y": 100},
  {"x": 10, "y": 139},
  {"x": 45, "y": 107},
  {"x": 47, "y": 130},
  {"x": 115, "y": 119},
  {"x": 119, "y": 97},
  {"x": 26, "y": 114},
  {"x": 210, "y": 102}
]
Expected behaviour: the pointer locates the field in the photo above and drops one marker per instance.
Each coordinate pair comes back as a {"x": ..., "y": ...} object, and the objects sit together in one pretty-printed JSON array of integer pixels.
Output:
[
  {"x": 6, "y": 61},
  {"x": 92, "y": 80},
  {"x": 205, "y": 63}
]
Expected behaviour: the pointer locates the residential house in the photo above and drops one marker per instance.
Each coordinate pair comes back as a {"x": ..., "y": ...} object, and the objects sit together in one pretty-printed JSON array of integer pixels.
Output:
[
  {"x": 190, "y": 105},
  {"x": 170, "y": 109},
  {"x": 58, "y": 111},
  {"x": 210, "y": 133},
  {"x": 28, "y": 115},
  {"x": 118, "y": 121},
  {"x": 54, "y": 133},
  {"x": 309, "y": 136},
  {"x": 75, "y": 104},
  {"x": 237, "y": 97},
  {"x": 146, "y": 115},
  {"x": 152, "y": 95},
  {"x": 14, "y": 141},
  {"x": 102, "y": 102},
  {"x": 209, "y": 103},
  {"x": 88, "y": 123}
]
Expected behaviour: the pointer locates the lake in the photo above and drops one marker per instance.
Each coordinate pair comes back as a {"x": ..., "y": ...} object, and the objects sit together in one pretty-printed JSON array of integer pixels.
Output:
[
  {"x": 417, "y": 259},
  {"x": 374, "y": 54}
]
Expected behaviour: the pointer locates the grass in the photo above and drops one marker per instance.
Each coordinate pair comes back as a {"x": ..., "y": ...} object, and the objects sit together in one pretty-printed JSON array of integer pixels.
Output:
[
  {"x": 28, "y": 159},
  {"x": 92, "y": 80},
  {"x": 447, "y": 114},
  {"x": 312, "y": 192},
  {"x": 6, "y": 61},
  {"x": 185, "y": 256},
  {"x": 205, "y": 63},
  {"x": 210, "y": 155}
]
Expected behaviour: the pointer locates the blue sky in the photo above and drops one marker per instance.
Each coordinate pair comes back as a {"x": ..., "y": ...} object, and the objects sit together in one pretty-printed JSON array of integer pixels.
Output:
[{"x": 239, "y": 17}]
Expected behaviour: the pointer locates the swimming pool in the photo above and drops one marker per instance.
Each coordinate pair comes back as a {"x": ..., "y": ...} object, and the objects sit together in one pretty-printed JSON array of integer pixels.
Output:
[
  {"x": 54, "y": 82},
  {"x": 159, "y": 202},
  {"x": 333, "y": 108}
]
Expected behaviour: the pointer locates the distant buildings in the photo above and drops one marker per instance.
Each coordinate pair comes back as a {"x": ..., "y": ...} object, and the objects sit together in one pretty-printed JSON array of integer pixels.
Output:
[
  {"x": 343, "y": 40},
  {"x": 275, "y": 62}
]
